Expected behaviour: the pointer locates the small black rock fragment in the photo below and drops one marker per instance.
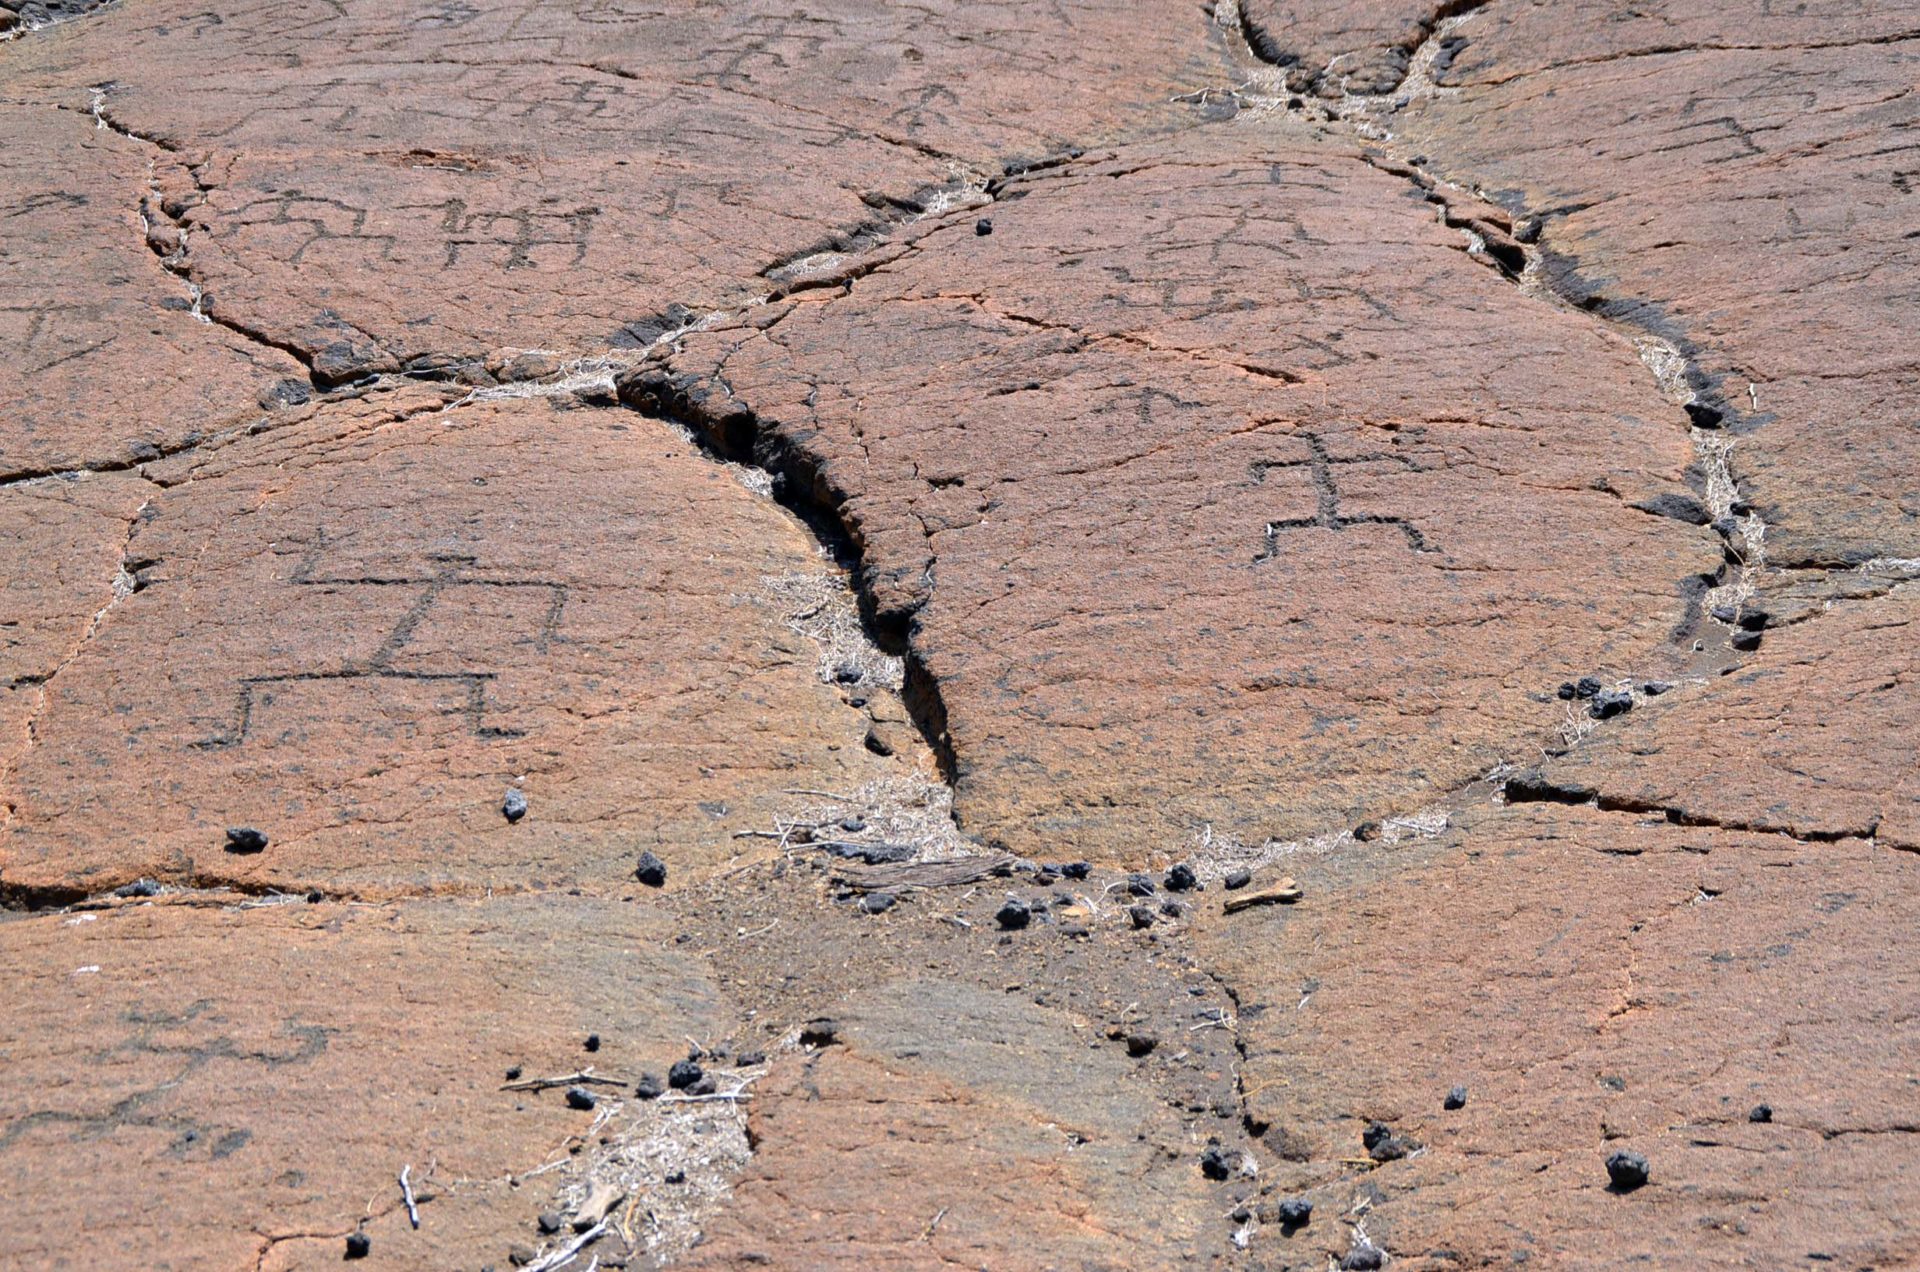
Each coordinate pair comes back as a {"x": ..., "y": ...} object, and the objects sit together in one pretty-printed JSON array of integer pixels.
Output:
[
  {"x": 1295, "y": 1212},
  {"x": 513, "y": 1074},
  {"x": 684, "y": 1074},
  {"x": 578, "y": 1097},
  {"x": 847, "y": 674},
  {"x": 1383, "y": 1145},
  {"x": 1237, "y": 879},
  {"x": 1077, "y": 869},
  {"x": 1367, "y": 831},
  {"x": 983, "y": 227},
  {"x": 705, "y": 1086},
  {"x": 649, "y": 1087},
  {"x": 1139, "y": 885},
  {"x": 1361, "y": 1259},
  {"x": 877, "y": 902},
  {"x": 550, "y": 1222},
  {"x": 359, "y": 1245},
  {"x": 1610, "y": 704},
  {"x": 593, "y": 1042},
  {"x": 650, "y": 870},
  {"x": 1745, "y": 640},
  {"x": 1566, "y": 691},
  {"x": 245, "y": 839},
  {"x": 1015, "y": 914},
  {"x": 1587, "y": 686},
  {"x": 748, "y": 1059},
  {"x": 675, "y": 1177},
  {"x": 514, "y": 806},
  {"x": 1045, "y": 876},
  {"x": 1704, "y": 415},
  {"x": 1217, "y": 1163},
  {"x": 315, "y": 897},
  {"x": 1172, "y": 909},
  {"x": 1456, "y": 1099},
  {"x": 1654, "y": 688},
  {"x": 1142, "y": 915},
  {"x": 1761, "y": 1113},
  {"x": 138, "y": 888},
  {"x": 820, "y": 1033},
  {"x": 1627, "y": 1171},
  {"x": 1182, "y": 879},
  {"x": 1140, "y": 1043}
]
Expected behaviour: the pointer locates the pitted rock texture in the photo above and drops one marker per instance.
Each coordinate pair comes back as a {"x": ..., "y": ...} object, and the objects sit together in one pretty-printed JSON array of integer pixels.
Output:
[
  {"x": 242, "y": 1088},
  {"x": 1221, "y": 486}
]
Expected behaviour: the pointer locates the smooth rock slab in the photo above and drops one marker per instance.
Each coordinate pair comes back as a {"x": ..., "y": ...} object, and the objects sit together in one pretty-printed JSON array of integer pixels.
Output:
[
  {"x": 355, "y": 633},
  {"x": 1221, "y": 486},
  {"x": 1603, "y": 982},
  {"x": 941, "y": 1099},
  {"x": 196, "y": 1087}
]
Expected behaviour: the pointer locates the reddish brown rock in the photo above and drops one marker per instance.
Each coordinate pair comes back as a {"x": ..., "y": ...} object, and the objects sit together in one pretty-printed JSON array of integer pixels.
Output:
[
  {"x": 1600, "y": 982},
  {"x": 584, "y": 179},
  {"x": 357, "y": 633},
  {"x": 948, "y": 1125},
  {"x": 1721, "y": 178},
  {"x": 107, "y": 365},
  {"x": 1220, "y": 485},
  {"x": 1814, "y": 737},
  {"x": 204, "y": 1087},
  {"x": 67, "y": 569}
]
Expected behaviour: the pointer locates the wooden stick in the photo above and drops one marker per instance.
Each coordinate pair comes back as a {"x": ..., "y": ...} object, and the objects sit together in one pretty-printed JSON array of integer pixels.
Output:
[{"x": 406, "y": 1193}]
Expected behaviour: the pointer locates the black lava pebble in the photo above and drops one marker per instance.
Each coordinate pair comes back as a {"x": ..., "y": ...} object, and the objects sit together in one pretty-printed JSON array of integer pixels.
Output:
[
  {"x": 245, "y": 839},
  {"x": 1077, "y": 869},
  {"x": 1587, "y": 686},
  {"x": 649, "y": 1087},
  {"x": 514, "y": 806},
  {"x": 675, "y": 1177},
  {"x": 684, "y": 1074},
  {"x": 1295, "y": 1212},
  {"x": 820, "y": 1033},
  {"x": 359, "y": 1245},
  {"x": 550, "y": 1222},
  {"x": 1237, "y": 879},
  {"x": 750, "y": 1058},
  {"x": 593, "y": 1042},
  {"x": 1140, "y": 1044},
  {"x": 877, "y": 902},
  {"x": 578, "y": 1097},
  {"x": 983, "y": 227},
  {"x": 1142, "y": 915},
  {"x": 1182, "y": 879},
  {"x": 1610, "y": 704},
  {"x": 1361, "y": 1259},
  {"x": 1014, "y": 914},
  {"x": 1139, "y": 885},
  {"x": 1567, "y": 691},
  {"x": 1216, "y": 1162},
  {"x": 1627, "y": 1171},
  {"x": 1456, "y": 1099},
  {"x": 1761, "y": 1113},
  {"x": 138, "y": 888},
  {"x": 513, "y": 1074},
  {"x": 650, "y": 870}
]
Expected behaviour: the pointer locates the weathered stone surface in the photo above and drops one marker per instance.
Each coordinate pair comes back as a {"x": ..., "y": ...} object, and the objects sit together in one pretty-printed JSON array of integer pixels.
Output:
[
  {"x": 192, "y": 1087},
  {"x": 68, "y": 537},
  {"x": 106, "y": 365},
  {"x": 587, "y": 176},
  {"x": 355, "y": 633},
  {"x": 1222, "y": 486},
  {"x": 949, "y": 1125},
  {"x": 1724, "y": 178},
  {"x": 1600, "y": 982},
  {"x": 1814, "y": 737},
  {"x": 1345, "y": 47}
]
